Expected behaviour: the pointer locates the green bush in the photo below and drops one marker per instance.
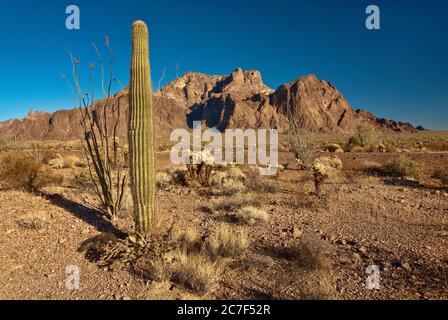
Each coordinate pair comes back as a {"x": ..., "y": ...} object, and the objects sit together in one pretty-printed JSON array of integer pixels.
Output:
[{"x": 402, "y": 167}]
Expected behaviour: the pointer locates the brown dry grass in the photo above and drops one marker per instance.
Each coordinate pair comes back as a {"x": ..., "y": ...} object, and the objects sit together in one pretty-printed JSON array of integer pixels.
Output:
[{"x": 226, "y": 241}]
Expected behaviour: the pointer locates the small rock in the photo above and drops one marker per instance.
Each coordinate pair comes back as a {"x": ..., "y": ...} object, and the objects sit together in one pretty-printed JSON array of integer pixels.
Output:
[{"x": 341, "y": 242}]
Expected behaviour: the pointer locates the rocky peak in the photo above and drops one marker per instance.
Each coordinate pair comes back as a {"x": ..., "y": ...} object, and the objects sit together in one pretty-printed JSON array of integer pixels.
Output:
[
  {"x": 316, "y": 104},
  {"x": 243, "y": 84},
  {"x": 190, "y": 89}
]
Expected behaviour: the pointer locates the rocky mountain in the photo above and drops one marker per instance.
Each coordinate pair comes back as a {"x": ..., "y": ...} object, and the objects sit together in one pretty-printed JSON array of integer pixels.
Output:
[{"x": 239, "y": 100}]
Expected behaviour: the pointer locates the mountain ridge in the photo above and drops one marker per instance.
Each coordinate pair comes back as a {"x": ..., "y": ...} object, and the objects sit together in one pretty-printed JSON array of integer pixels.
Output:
[{"x": 238, "y": 100}]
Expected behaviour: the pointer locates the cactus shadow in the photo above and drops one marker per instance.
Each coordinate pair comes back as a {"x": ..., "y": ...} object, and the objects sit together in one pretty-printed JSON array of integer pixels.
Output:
[{"x": 86, "y": 214}]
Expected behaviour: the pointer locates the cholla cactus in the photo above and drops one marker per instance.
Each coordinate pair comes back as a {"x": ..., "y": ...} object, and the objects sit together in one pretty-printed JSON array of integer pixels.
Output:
[
  {"x": 300, "y": 164},
  {"x": 321, "y": 173},
  {"x": 199, "y": 166}
]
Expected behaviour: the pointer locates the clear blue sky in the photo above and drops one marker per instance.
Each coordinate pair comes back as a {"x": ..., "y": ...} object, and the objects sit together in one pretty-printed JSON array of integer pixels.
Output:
[{"x": 398, "y": 72}]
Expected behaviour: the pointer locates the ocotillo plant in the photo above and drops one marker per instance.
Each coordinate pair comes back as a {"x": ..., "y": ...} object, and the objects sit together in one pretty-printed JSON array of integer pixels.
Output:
[{"x": 141, "y": 132}]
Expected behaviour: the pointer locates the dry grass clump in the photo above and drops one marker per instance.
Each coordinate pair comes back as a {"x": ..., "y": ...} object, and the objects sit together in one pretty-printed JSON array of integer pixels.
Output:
[
  {"x": 402, "y": 167},
  {"x": 250, "y": 215},
  {"x": 195, "y": 272},
  {"x": 32, "y": 221},
  {"x": 311, "y": 253},
  {"x": 228, "y": 182},
  {"x": 228, "y": 187},
  {"x": 188, "y": 240},
  {"x": 236, "y": 174},
  {"x": 18, "y": 172},
  {"x": 235, "y": 203},
  {"x": 226, "y": 242},
  {"x": 261, "y": 184},
  {"x": 155, "y": 269},
  {"x": 72, "y": 161}
]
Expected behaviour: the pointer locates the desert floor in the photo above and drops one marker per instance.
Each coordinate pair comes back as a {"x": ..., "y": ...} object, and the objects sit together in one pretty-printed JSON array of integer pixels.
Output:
[{"x": 365, "y": 219}]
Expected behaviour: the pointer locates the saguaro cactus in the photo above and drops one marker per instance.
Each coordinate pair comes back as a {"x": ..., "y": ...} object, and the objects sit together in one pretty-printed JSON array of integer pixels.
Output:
[{"x": 141, "y": 132}]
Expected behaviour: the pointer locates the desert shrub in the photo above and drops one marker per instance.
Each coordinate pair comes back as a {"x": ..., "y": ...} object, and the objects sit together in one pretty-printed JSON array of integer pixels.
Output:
[
  {"x": 402, "y": 167},
  {"x": 332, "y": 147},
  {"x": 261, "y": 184},
  {"x": 441, "y": 175},
  {"x": 365, "y": 133},
  {"x": 438, "y": 146},
  {"x": 354, "y": 141},
  {"x": 83, "y": 179},
  {"x": 3, "y": 144},
  {"x": 18, "y": 172},
  {"x": 217, "y": 178},
  {"x": 72, "y": 161},
  {"x": 179, "y": 176},
  {"x": 196, "y": 273},
  {"x": 164, "y": 147},
  {"x": 390, "y": 148},
  {"x": 311, "y": 253},
  {"x": 32, "y": 221},
  {"x": 250, "y": 215},
  {"x": 302, "y": 144},
  {"x": 233, "y": 204},
  {"x": 37, "y": 152},
  {"x": 226, "y": 242},
  {"x": 228, "y": 187},
  {"x": 163, "y": 179},
  {"x": 236, "y": 174}
]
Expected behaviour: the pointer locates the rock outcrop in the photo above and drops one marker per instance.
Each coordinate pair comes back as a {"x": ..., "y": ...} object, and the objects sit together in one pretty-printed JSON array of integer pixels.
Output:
[{"x": 239, "y": 100}]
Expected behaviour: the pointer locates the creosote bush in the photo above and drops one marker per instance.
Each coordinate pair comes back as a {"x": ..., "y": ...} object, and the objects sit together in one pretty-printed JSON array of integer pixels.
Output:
[
  {"x": 441, "y": 175},
  {"x": 311, "y": 253},
  {"x": 402, "y": 167},
  {"x": 18, "y": 172}
]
